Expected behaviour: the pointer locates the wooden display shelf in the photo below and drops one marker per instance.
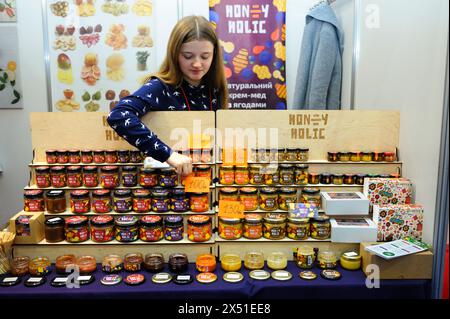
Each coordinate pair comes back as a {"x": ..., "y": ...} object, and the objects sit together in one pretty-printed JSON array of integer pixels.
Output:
[
  {"x": 113, "y": 213},
  {"x": 264, "y": 240},
  {"x": 319, "y": 162},
  {"x": 295, "y": 185},
  {"x": 100, "y": 164},
  {"x": 99, "y": 187}
]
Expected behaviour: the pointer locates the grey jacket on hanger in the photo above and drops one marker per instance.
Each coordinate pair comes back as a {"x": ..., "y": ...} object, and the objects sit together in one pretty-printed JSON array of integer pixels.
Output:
[{"x": 319, "y": 74}]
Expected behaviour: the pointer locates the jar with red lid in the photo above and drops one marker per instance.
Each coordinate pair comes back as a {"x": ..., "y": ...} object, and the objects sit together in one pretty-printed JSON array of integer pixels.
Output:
[
  {"x": 199, "y": 202},
  {"x": 122, "y": 201},
  {"x": 173, "y": 228},
  {"x": 129, "y": 176},
  {"x": 168, "y": 177},
  {"x": 74, "y": 177},
  {"x": 101, "y": 201},
  {"x": 63, "y": 156},
  {"x": 136, "y": 157},
  {"x": 90, "y": 176},
  {"x": 74, "y": 156},
  {"x": 127, "y": 229},
  {"x": 51, "y": 157},
  {"x": 86, "y": 157},
  {"x": 111, "y": 156},
  {"x": 79, "y": 201},
  {"x": 142, "y": 202},
  {"x": 179, "y": 202},
  {"x": 148, "y": 177},
  {"x": 58, "y": 176},
  {"x": 77, "y": 229},
  {"x": 102, "y": 228},
  {"x": 109, "y": 176},
  {"x": 99, "y": 156},
  {"x": 203, "y": 171},
  {"x": 43, "y": 176},
  {"x": 123, "y": 156},
  {"x": 249, "y": 197},
  {"x": 151, "y": 228},
  {"x": 33, "y": 200},
  {"x": 199, "y": 228},
  {"x": 160, "y": 201}
]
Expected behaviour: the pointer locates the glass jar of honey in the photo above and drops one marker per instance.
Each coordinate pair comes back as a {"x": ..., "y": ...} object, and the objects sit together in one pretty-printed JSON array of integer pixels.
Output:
[
  {"x": 173, "y": 228},
  {"x": 99, "y": 156},
  {"x": 86, "y": 157},
  {"x": 199, "y": 202},
  {"x": 311, "y": 196},
  {"x": 249, "y": 197},
  {"x": 74, "y": 177},
  {"x": 230, "y": 262},
  {"x": 43, "y": 176},
  {"x": 305, "y": 257},
  {"x": 203, "y": 171},
  {"x": 228, "y": 193},
  {"x": 325, "y": 178},
  {"x": 160, "y": 201},
  {"x": 154, "y": 262},
  {"x": 133, "y": 262},
  {"x": 327, "y": 260},
  {"x": 74, "y": 156},
  {"x": 291, "y": 155},
  {"x": 226, "y": 175},
  {"x": 366, "y": 156},
  {"x": 274, "y": 226},
  {"x": 179, "y": 202},
  {"x": 230, "y": 228},
  {"x": 123, "y": 156},
  {"x": 168, "y": 177},
  {"x": 377, "y": 156},
  {"x": 19, "y": 265},
  {"x": 39, "y": 266},
  {"x": 136, "y": 156},
  {"x": 333, "y": 157},
  {"x": 77, "y": 229},
  {"x": 178, "y": 262},
  {"x": 301, "y": 174},
  {"x": 297, "y": 228},
  {"x": 111, "y": 156},
  {"x": 55, "y": 201},
  {"x": 253, "y": 228},
  {"x": 281, "y": 154},
  {"x": 337, "y": 179},
  {"x": 359, "y": 179},
  {"x": 109, "y": 176},
  {"x": 90, "y": 176},
  {"x": 344, "y": 156},
  {"x": 126, "y": 228},
  {"x": 129, "y": 176},
  {"x": 287, "y": 196},
  {"x": 355, "y": 156},
  {"x": 349, "y": 179},
  {"x": 122, "y": 200},
  {"x": 33, "y": 200},
  {"x": 63, "y": 156},
  {"x": 241, "y": 175},
  {"x": 148, "y": 177},
  {"x": 254, "y": 260},
  {"x": 276, "y": 260},
  {"x": 199, "y": 228},
  {"x": 313, "y": 178},
  {"x": 80, "y": 202},
  {"x": 112, "y": 264},
  {"x": 303, "y": 154},
  {"x": 271, "y": 175},
  {"x": 102, "y": 228},
  {"x": 268, "y": 199},
  {"x": 286, "y": 174},
  {"x": 389, "y": 156},
  {"x": 101, "y": 201},
  {"x": 86, "y": 264},
  {"x": 256, "y": 174},
  {"x": 206, "y": 263},
  {"x": 151, "y": 228},
  {"x": 58, "y": 176},
  {"x": 142, "y": 202},
  {"x": 320, "y": 227},
  {"x": 54, "y": 230},
  {"x": 51, "y": 157},
  {"x": 64, "y": 261}
]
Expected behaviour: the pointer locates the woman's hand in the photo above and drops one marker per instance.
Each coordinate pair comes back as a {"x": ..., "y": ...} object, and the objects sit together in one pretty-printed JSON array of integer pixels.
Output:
[{"x": 182, "y": 163}]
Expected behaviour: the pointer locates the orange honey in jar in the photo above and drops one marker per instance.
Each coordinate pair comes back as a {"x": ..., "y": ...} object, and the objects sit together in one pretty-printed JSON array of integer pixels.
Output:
[
  {"x": 199, "y": 202},
  {"x": 199, "y": 228},
  {"x": 249, "y": 197}
]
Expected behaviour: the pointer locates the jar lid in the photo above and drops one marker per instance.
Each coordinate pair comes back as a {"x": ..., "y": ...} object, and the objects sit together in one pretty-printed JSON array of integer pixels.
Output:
[
  {"x": 241, "y": 167},
  {"x": 308, "y": 275},
  {"x": 202, "y": 167},
  {"x": 134, "y": 279},
  {"x": 248, "y": 190},
  {"x": 268, "y": 190},
  {"x": 90, "y": 168},
  {"x": 252, "y": 218},
  {"x": 111, "y": 151},
  {"x": 288, "y": 190},
  {"x": 310, "y": 191},
  {"x": 389, "y": 153},
  {"x": 122, "y": 193},
  {"x": 206, "y": 277},
  {"x": 86, "y": 151},
  {"x": 286, "y": 166},
  {"x": 233, "y": 276},
  {"x": 199, "y": 219},
  {"x": 325, "y": 174},
  {"x": 74, "y": 169},
  {"x": 168, "y": 170},
  {"x": 126, "y": 220},
  {"x": 303, "y": 149},
  {"x": 110, "y": 168},
  {"x": 79, "y": 193},
  {"x": 281, "y": 275},
  {"x": 111, "y": 280},
  {"x": 162, "y": 278},
  {"x": 229, "y": 190},
  {"x": 291, "y": 149},
  {"x": 42, "y": 169},
  {"x": 198, "y": 194},
  {"x": 151, "y": 220},
  {"x": 123, "y": 151},
  {"x": 259, "y": 275},
  {"x": 129, "y": 168},
  {"x": 57, "y": 169},
  {"x": 301, "y": 166},
  {"x": 321, "y": 218},
  {"x": 230, "y": 220},
  {"x": 72, "y": 151},
  {"x": 147, "y": 170},
  {"x": 351, "y": 255},
  {"x": 101, "y": 193},
  {"x": 76, "y": 221},
  {"x": 173, "y": 220},
  {"x": 61, "y": 151},
  {"x": 256, "y": 167},
  {"x": 349, "y": 175},
  {"x": 227, "y": 167},
  {"x": 330, "y": 274},
  {"x": 298, "y": 220},
  {"x": 332, "y": 153},
  {"x": 55, "y": 193},
  {"x": 55, "y": 221},
  {"x": 161, "y": 193},
  {"x": 183, "y": 279},
  {"x": 338, "y": 175},
  {"x": 50, "y": 152},
  {"x": 103, "y": 220},
  {"x": 99, "y": 151},
  {"x": 178, "y": 192},
  {"x": 33, "y": 193},
  {"x": 141, "y": 193},
  {"x": 275, "y": 218}
]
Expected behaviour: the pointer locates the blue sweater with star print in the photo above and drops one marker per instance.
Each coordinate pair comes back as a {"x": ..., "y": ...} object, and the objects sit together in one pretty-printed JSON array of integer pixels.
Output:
[{"x": 155, "y": 95}]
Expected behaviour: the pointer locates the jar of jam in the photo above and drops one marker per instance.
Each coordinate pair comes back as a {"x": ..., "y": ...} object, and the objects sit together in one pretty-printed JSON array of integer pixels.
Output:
[
  {"x": 291, "y": 155},
  {"x": 389, "y": 156},
  {"x": 228, "y": 193},
  {"x": 168, "y": 177},
  {"x": 344, "y": 156},
  {"x": 276, "y": 260},
  {"x": 173, "y": 228},
  {"x": 64, "y": 261},
  {"x": 123, "y": 156},
  {"x": 378, "y": 156},
  {"x": 320, "y": 227},
  {"x": 39, "y": 266},
  {"x": 133, "y": 262},
  {"x": 206, "y": 263},
  {"x": 74, "y": 177},
  {"x": 154, "y": 262},
  {"x": 33, "y": 200},
  {"x": 129, "y": 176},
  {"x": 58, "y": 176},
  {"x": 349, "y": 179},
  {"x": 111, "y": 156},
  {"x": 359, "y": 179},
  {"x": 333, "y": 156},
  {"x": 231, "y": 262},
  {"x": 268, "y": 198},
  {"x": 151, "y": 228},
  {"x": 160, "y": 201},
  {"x": 199, "y": 202},
  {"x": 90, "y": 176},
  {"x": 337, "y": 179},
  {"x": 287, "y": 196},
  {"x": 112, "y": 264},
  {"x": 226, "y": 175},
  {"x": 77, "y": 229},
  {"x": 254, "y": 260},
  {"x": 366, "y": 156},
  {"x": 102, "y": 228},
  {"x": 23, "y": 225},
  {"x": 253, "y": 228},
  {"x": 126, "y": 228},
  {"x": 305, "y": 257},
  {"x": 178, "y": 263},
  {"x": 199, "y": 228},
  {"x": 313, "y": 178},
  {"x": 86, "y": 264},
  {"x": 311, "y": 196},
  {"x": 136, "y": 157},
  {"x": 54, "y": 230},
  {"x": 109, "y": 176},
  {"x": 256, "y": 174},
  {"x": 355, "y": 156},
  {"x": 99, "y": 157},
  {"x": 142, "y": 202},
  {"x": 179, "y": 202},
  {"x": 249, "y": 197},
  {"x": 297, "y": 228},
  {"x": 271, "y": 175},
  {"x": 325, "y": 178},
  {"x": 148, "y": 177},
  {"x": 301, "y": 174},
  {"x": 79, "y": 201},
  {"x": 122, "y": 200},
  {"x": 241, "y": 175},
  {"x": 74, "y": 156},
  {"x": 327, "y": 260},
  {"x": 55, "y": 201},
  {"x": 43, "y": 176},
  {"x": 51, "y": 157},
  {"x": 86, "y": 157},
  {"x": 230, "y": 228},
  {"x": 303, "y": 154},
  {"x": 101, "y": 201},
  {"x": 203, "y": 171},
  {"x": 274, "y": 226},
  {"x": 63, "y": 157},
  {"x": 19, "y": 265}
]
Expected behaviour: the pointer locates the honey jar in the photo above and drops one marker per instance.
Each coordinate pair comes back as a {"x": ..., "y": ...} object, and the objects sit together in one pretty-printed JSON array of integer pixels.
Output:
[
  {"x": 326, "y": 260},
  {"x": 179, "y": 202},
  {"x": 160, "y": 201},
  {"x": 196, "y": 155},
  {"x": 320, "y": 227},
  {"x": 228, "y": 193},
  {"x": 168, "y": 177},
  {"x": 337, "y": 179},
  {"x": 43, "y": 176},
  {"x": 64, "y": 261},
  {"x": 111, "y": 156},
  {"x": 249, "y": 197},
  {"x": 101, "y": 201},
  {"x": 230, "y": 228},
  {"x": 378, "y": 156},
  {"x": 333, "y": 157},
  {"x": 311, "y": 196},
  {"x": 268, "y": 199},
  {"x": 297, "y": 228},
  {"x": 287, "y": 195},
  {"x": 51, "y": 157},
  {"x": 112, "y": 264},
  {"x": 178, "y": 262},
  {"x": 39, "y": 266},
  {"x": 90, "y": 176},
  {"x": 23, "y": 225},
  {"x": 231, "y": 262},
  {"x": 74, "y": 177},
  {"x": 359, "y": 179},
  {"x": 63, "y": 156},
  {"x": 58, "y": 176},
  {"x": 133, "y": 262},
  {"x": 305, "y": 257},
  {"x": 33, "y": 200},
  {"x": 173, "y": 228},
  {"x": 142, "y": 202},
  {"x": 389, "y": 156},
  {"x": 122, "y": 200},
  {"x": 136, "y": 157},
  {"x": 276, "y": 260},
  {"x": 151, "y": 228},
  {"x": 199, "y": 202},
  {"x": 206, "y": 263},
  {"x": 313, "y": 178},
  {"x": 77, "y": 229},
  {"x": 123, "y": 156},
  {"x": 355, "y": 156},
  {"x": 203, "y": 171},
  {"x": 54, "y": 230},
  {"x": 154, "y": 262},
  {"x": 349, "y": 179},
  {"x": 350, "y": 260},
  {"x": 241, "y": 175},
  {"x": 126, "y": 228},
  {"x": 99, "y": 156},
  {"x": 226, "y": 175},
  {"x": 129, "y": 176},
  {"x": 254, "y": 260},
  {"x": 199, "y": 228},
  {"x": 256, "y": 174},
  {"x": 301, "y": 174},
  {"x": 80, "y": 202},
  {"x": 303, "y": 154},
  {"x": 109, "y": 176},
  {"x": 325, "y": 178},
  {"x": 344, "y": 156},
  {"x": 102, "y": 228},
  {"x": 366, "y": 156},
  {"x": 253, "y": 228},
  {"x": 291, "y": 155},
  {"x": 148, "y": 177},
  {"x": 286, "y": 174},
  {"x": 74, "y": 156},
  {"x": 86, "y": 157},
  {"x": 281, "y": 154},
  {"x": 274, "y": 226},
  {"x": 19, "y": 265},
  {"x": 271, "y": 175},
  {"x": 86, "y": 264}
]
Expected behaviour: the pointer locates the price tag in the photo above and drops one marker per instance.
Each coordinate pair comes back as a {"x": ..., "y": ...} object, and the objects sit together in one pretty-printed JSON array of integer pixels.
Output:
[
  {"x": 181, "y": 277},
  {"x": 83, "y": 278},
  {"x": 34, "y": 279},
  {"x": 231, "y": 209},
  {"x": 194, "y": 184},
  {"x": 234, "y": 276},
  {"x": 161, "y": 277},
  {"x": 61, "y": 279},
  {"x": 283, "y": 274},
  {"x": 10, "y": 279}
]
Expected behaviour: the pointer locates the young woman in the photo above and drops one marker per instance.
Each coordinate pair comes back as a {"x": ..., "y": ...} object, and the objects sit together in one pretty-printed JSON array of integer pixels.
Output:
[{"x": 191, "y": 78}]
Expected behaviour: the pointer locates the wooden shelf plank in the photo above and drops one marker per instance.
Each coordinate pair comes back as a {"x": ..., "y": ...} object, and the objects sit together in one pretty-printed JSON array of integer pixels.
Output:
[
  {"x": 69, "y": 213},
  {"x": 265, "y": 240},
  {"x": 35, "y": 164},
  {"x": 295, "y": 185}
]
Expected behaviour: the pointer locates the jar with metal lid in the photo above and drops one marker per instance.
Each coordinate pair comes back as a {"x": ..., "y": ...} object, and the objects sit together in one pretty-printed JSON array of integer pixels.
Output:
[
  {"x": 136, "y": 157},
  {"x": 199, "y": 202},
  {"x": 313, "y": 178},
  {"x": 160, "y": 201},
  {"x": 133, "y": 262},
  {"x": 179, "y": 202},
  {"x": 142, "y": 202},
  {"x": 109, "y": 176},
  {"x": 102, "y": 228},
  {"x": 230, "y": 262},
  {"x": 241, "y": 175},
  {"x": 129, "y": 176},
  {"x": 355, "y": 156},
  {"x": 366, "y": 156},
  {"x": 112, "y": 264},
  {"x": 205, "y": 263},
  {"x": 281, "y": 154},
  {"x": 39, "y": 266},
  {"x": 90, "y": 176},
  {"x": 63, "y": 157},
  {"x": 86, "y": 264},
  {"x": 64, "y": 261},
  {"x": 272, "y": 154},
  {"x": 55, "y": 201},
  {"x": 58, "y": 176},
  {"x": 151, "y": 229},
  {"x": 377, "y": 156},
  {"x": 287, "y": 196},
  {"x": 74, "y": 177},
  {"x": 286, "y": 174},
  {"x": 230, "y": 228},
  {"x": 173, "y": 228},
  {"x": 274, "y": 226},
  {"x": 276, "y": 260},
  {"x": 51, "y": 157},
  {"x": 254, "y": 260},
  {"x": 326, "y": 260},
  {"x": 126, "y": 229},
  {"x": 86, "y": 157},
  {"x": 350, "y": 260},
  {"x": 43, "y": 176},
  {"x": 99, "y": 156},
  {"x": 301, "y": 174},
  {"x": 226, "y": 174},
  {"x": 268, "y": 198},
  {"x": 249, "y": 197},
  {"x": 54, "y": 230},
  {"x": 33, "y": 200},
  {"x": 19, "y": 265},
  {"x": 303, "y": 154},
  {"x": 178, "y": 262},
  {"x": 154, "y": 262},
  {"x": 333, "y": 156},
  {"x": 305, "y": 257},
  {"x": 256, "y": 174},
  {"x": 122, "y": 200},
  {"x": 203, "y": 171},
  {"x": 311, "y": 196},
  {"x": 297, "y": 228},
  {"x": 344, "y": 156},
  {"x": 228, "y": 193},
  {"x": 325, "y": 178},
  {"x": 123, "y": 156},
  {"x": 349, "y": 179},
  {"x": 77, "y": 229},
  {"x": 359, "y": 179},
  {"x": 168, "y": 177},
  {"x": 148, "y": 177},
  {"x": 80, "y": 202},
  {"x": 337, "y": 179},
  {"x": 253, "y": 228},
  {"x": 262, "y": 155},
  {"x": 74, "y": 156},
  {"x": 291, "y": 155},
  {"x": 320, "y": 227},
  {"x": 199, "y": 228},
  {"x": 101, "y": 201},
  {"x": 111, "y": 156},
  {"x": 271, "y": 175},
  {"x": 389, "y": 156}
]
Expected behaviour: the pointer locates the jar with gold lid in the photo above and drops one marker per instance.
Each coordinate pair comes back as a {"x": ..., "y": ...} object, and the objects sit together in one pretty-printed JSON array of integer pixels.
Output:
[
  {"x": 268, "y": 198},
  {"x": 286, "y": 174},
  {"x": 249, "y": 197},
  {"x": 326, "y": 260},
  {"x": 230, "y": 228},
  {"x": 228, "y": 193},
  {"x": 253, "y": 228},
  {"x": 276, "y": 260},
  {"x": 226, "y": 174},
  {"x": 297, "y": 228},
  {"x": 305, "y": 257},
  {"x": 274, "y": 226},
  {"x": 254, "y": 260},
  {"x": 281, "y": 154},
  {"x": 350, "y": 260},
  {"x": 241, "y": 175},
  {"x": 301, "y": 174},
  {"x": 256, "y": 174},
  {"x": 311, "y": 196},
  {"x": 230, "y": 262},
  {"x": 287, "y": 196},
  {"x": 320, "y": 227}
]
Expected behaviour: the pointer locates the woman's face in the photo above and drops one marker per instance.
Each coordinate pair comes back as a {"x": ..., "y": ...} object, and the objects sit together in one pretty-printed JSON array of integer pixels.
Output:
[{"x": 195, "y": 60}]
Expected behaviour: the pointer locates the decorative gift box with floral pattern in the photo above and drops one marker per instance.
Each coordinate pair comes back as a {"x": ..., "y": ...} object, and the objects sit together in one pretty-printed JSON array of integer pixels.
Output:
[
  {"x": 382, "y": 191},
  {"x": 398, "y": 221}
]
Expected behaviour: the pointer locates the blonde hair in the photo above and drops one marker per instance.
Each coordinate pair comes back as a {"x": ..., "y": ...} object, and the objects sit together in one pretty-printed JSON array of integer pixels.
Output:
[{"x": 189, "y": 29}]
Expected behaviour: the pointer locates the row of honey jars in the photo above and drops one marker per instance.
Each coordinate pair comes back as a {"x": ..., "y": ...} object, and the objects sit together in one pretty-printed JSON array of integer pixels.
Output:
[
  {"x": 279, "y": 154},
  {"x": 361, "y": 156},
  {"x": 93, "y": 156},
  {"x": 198, "y": 155}
]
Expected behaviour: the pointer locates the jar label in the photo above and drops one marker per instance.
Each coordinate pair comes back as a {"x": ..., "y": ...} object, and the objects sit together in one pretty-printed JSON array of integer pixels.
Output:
[
  {"x": 241, "y": 178},
  {"x": 168, "y": 181},
  {"x": 90, "y": 180},
  {"x": 148, "y": 180},
  {"x": 227, "y": 177},
  {"x": 160, "y": 205},
  {"x": 129, "y": 179},
  {"x": 34, "y": 205},
  {"x": 77, "y": 235},
  {"x": 250, "y": 203},
  {"x": 110, "y": 181},
  {"x": 86, "y": 159},
  {"x": 271, "y": 203},
  {"x": 126, "y": 235},
  {"x": 101, "y": 205},
  {"x": 287, "y": 178},
  {"x": 275, "y": 232},
  {"x": 141, "y": 205},
  {"x": 173, "y": 233},
  {"x": 257, "y": 178},
  {"x": 43, "y": 180},
  {"x": 80, "y": 206},
  {"x": 180, "y": 205},
  {"x": 74, "y": 180},
  {"x": 102, "y": 235},
  {"x": 59, "y": 180},
  {"x": 122, "y": 205},
  {"x": 254, "y": 231}
]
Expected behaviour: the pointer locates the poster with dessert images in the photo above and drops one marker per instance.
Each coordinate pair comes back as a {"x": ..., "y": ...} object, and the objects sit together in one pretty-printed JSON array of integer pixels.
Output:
[{"x": 99, "y": 51}]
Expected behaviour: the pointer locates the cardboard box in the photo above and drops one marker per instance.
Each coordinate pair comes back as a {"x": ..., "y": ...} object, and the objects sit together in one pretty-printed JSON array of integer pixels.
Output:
[
  {"x": 345, "y": 203},
  {"x": 353, "y": 230},
  {"x": 33, "y": 232},
  {"x": 415, "y": 266},
  {"x": 383, "y": 191}
]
